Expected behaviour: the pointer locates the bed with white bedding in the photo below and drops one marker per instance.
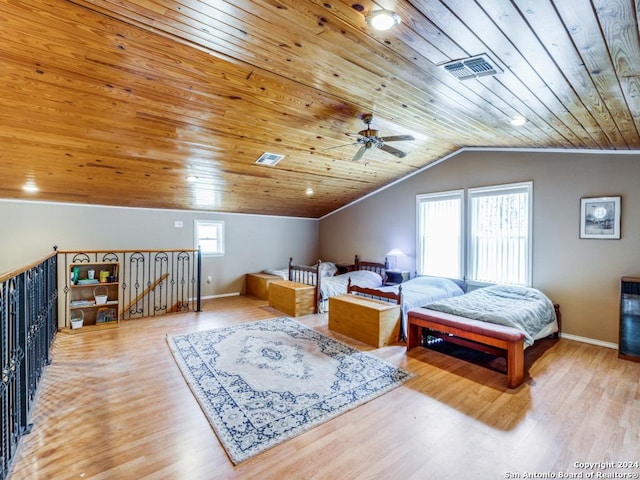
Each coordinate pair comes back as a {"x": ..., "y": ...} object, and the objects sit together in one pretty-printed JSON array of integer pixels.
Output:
[
  {"x": 500, "y": 320},
  {"x": 417, "y": 292},
  {"x": 366, "y": 274},
  {"x": 337, "y": 285},
  {"x": 524, "y": 308}
]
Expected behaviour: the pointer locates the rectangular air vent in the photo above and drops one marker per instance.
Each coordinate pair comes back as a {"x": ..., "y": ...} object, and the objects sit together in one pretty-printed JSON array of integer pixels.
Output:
[
  {"x": 269, "y": 159},
  {"x": 473, "y": 67}
]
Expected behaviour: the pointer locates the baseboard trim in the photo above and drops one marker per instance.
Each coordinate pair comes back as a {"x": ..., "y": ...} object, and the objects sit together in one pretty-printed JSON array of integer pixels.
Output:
[
  {"x": 220, "y": 295},
  {"x": 592, "y": 341}
]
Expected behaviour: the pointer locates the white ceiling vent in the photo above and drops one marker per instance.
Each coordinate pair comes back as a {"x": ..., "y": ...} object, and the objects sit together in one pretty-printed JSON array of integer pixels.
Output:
[
  {"x": 473, "y": 67},
  {"x": 269, "y": 159}
]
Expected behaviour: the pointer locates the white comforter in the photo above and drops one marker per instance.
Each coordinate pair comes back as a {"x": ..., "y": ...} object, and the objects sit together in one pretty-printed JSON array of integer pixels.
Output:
[
  {"x": 337, "y": 285},
  {"x": 527, "y": 309},
  {"x": 420, "y": 291}
]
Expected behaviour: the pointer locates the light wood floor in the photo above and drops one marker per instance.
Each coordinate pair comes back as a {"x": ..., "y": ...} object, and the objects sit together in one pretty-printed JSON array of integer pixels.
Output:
[{"x": 113, "y": 405}]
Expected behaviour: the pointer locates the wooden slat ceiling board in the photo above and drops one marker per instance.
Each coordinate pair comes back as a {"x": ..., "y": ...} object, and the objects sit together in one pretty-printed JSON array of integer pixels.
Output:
[{"x": 117, "y": 103}]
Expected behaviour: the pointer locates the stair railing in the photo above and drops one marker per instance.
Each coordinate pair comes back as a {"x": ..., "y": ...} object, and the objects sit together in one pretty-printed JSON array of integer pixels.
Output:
[
  {"x": 153, "y": 282},
  {"x": 28, "y": 325}
]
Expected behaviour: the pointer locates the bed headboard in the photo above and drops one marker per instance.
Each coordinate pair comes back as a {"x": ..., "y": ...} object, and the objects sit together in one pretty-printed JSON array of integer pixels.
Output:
[
  {"x": 307, "y": 274},
  {"x": 379, "y": 268},
  {"x": 391, "y": 297}
]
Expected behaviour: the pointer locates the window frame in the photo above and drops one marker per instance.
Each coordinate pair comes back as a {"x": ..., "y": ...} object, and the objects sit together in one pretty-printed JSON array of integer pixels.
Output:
[
  {"x": 499, "y": 189},
  {"x": 466, "y": 197},
  {"x": 450, "y": 194},
  {"x": 219, "y": 225}
]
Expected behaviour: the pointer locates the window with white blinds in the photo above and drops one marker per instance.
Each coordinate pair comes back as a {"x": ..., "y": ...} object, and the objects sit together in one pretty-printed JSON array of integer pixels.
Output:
[
  {"x": 495, "y": 246},
  {"x": 499, "y": 249},
  {"x": 440, "y": 234}
]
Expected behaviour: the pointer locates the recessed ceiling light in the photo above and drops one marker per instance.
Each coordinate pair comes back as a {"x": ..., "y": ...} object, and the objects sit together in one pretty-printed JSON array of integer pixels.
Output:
[
  {"x": 518, "y": 121},
  {"x": 383, "y": 19},
  {"x": 30, "y": 186},
  {"x": 309, "y": 191},
  {"x": 191, "y": 178}
]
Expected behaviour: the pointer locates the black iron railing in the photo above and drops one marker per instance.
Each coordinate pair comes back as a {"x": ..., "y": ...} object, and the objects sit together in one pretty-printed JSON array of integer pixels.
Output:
[
  {"x": 28, "y": 324},
  {"x": 152, "y": 282}
]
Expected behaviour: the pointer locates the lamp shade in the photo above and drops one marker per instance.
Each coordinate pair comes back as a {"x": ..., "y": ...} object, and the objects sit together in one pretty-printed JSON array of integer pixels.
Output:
[{"x": 394, "y": 253}]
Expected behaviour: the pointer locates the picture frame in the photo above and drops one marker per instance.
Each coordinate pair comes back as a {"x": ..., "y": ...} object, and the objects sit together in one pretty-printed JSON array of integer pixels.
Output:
[{"x": 600, "y": 218}]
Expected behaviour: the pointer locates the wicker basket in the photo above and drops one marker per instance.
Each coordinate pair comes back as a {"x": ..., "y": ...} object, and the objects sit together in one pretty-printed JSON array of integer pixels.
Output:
[
  {"x": 101, "y": 294},
  {"x": 77, "y": 319}
]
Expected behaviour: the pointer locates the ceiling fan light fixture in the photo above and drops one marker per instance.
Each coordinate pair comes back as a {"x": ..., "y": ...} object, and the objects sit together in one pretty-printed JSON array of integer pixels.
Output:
[{"x": 383, "y": 19}]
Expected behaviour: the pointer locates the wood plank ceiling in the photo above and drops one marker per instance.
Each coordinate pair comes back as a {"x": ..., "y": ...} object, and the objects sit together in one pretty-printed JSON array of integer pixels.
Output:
[{"x": 118, "y": 102}]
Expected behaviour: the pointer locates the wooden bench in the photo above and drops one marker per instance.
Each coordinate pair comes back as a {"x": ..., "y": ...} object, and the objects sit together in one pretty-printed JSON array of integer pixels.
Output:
[
  {"x": 292, "y": 298},
  {"x": 487, "y": 337}
]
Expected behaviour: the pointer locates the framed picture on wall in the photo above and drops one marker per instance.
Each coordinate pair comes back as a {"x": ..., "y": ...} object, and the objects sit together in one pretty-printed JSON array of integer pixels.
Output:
[{"x": 600, "y": 218}]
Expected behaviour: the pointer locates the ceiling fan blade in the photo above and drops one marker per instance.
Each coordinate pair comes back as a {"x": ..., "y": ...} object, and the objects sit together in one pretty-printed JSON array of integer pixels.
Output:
[
  {"x": 393, "y": 151},
  {"x": 359, "y": 153},
  {"x": 339, "y": 146},
  {"x": 397, "y": 138}
]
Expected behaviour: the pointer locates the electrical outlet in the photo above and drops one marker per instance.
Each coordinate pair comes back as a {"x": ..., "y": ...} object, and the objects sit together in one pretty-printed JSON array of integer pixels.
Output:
[
  {"x": 178, "y": 224},
  {"x": 209, "y": 279}
]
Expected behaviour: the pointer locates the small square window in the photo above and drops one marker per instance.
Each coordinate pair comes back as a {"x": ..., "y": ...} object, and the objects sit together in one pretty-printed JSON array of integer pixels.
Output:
[{"x": 209, "y": 237}]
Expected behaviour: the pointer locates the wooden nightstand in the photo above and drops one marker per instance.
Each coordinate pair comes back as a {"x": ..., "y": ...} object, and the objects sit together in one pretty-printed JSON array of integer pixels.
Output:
[{"x": 394, "y": 277}]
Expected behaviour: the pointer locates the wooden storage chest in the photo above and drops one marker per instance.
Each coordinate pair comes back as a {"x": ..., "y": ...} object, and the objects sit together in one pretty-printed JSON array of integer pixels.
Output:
[
  {"x": 292, "y": 298},
  {"x": 373, "y": 322},
  {"x": 257, "y": 284}
]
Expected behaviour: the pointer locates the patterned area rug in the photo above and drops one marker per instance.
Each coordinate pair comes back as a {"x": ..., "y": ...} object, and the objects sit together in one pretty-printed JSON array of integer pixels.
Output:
[{"x": 262, "y": 383}]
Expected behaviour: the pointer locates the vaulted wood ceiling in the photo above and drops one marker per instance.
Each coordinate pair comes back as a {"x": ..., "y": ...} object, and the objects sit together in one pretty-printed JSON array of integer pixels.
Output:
[{"x": 118, "y": 102}]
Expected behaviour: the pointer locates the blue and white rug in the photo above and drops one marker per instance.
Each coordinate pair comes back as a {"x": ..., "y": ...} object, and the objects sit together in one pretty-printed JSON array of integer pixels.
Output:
[{"x": 262, "y": 383}]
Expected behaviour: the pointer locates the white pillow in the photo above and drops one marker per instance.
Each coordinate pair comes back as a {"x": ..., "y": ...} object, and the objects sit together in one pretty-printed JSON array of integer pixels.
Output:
[{"x": 328, "y": 269}]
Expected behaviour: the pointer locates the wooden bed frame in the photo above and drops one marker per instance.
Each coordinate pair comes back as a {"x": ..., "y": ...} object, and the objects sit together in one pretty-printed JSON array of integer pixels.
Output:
[
  {"x": 379, "y": 268},
  {"x": 376, "y": 294},
  {"x": 499, "y": 340},
  {"x": 309, "y": 274}
]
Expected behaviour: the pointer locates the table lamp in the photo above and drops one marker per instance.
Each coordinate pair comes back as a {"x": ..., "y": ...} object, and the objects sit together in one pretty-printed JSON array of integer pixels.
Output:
[{"x": 393, "y": 255}]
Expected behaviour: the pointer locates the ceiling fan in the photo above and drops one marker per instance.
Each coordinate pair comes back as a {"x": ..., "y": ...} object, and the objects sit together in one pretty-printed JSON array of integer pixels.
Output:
[{"x": 369, "y": 138}]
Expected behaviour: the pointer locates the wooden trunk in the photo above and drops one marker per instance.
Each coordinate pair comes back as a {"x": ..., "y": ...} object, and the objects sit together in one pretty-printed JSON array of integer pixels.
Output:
[
  {"x": 294, "y": 299},
  {"x": 257, "y": 284},
  {"x": 373, "y": 322}
]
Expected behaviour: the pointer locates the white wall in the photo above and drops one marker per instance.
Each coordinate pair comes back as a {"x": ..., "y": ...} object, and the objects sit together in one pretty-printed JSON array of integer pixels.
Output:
[
  {"x": 581, "y": 275},
  {"x": 29, "y": 230}
]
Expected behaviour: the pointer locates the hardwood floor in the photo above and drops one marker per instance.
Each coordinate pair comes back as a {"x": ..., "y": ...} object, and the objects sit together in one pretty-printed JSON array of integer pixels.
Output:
[{"x": 113, "y": 405}]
